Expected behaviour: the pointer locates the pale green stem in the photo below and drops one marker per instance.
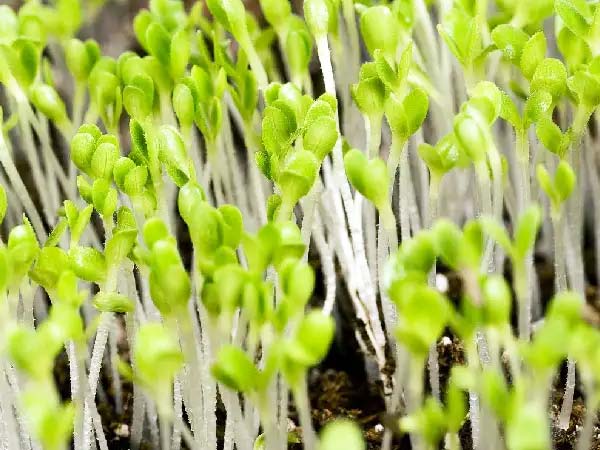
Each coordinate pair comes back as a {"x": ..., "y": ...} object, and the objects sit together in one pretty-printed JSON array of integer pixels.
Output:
[
  {"x": 404, "y": 186},
  {"x": 594, "y": 181},
  {"x": 497, "y": 199},
  {"x": 523, "y": 294},
  {"x": 94, "y": 375},
  {"x": 32, "y": 158},
  {"x": 397, "y": 147},
  {"x": 326, "y": 253},
  {"x": 78, "y": 379},
  {"x": 212, "y": 169},
  {"x": 560, "y": 273},
  {"x": 390, "y": 313},
  {"x": 165, "y": 432},
  {"x": 267, "y": 417},
  {"x": 591, "y": 409},
  {"x": 388, "y": 220},
  {"x": 523, "y": 182},
  {"x": 285, "y": 210},
  {"x": 234, "y": 170},
  {"x": 577, "y": 271},
  {"x": 370, "y": 233},
  {"x": 256, "y": 64},
  {"x": 303, "y": 405},
  {"x": 51, "y": 184},
  {"x": 116, "y": 377},
  {"x": 309, "y": 205},
  {"x": 566, "y": 408},
  {"x": 433, "y": 363},
  {"x": 373, "y": 132},
  {"x": 485, "y": 195},
  {"x": 414, "y": 396},
  {"x": 78, "y": 104},
  {"x": 341, "y": 181},
  {"x": 348, "y": 12},
  {"x": 20, "y": 190},
  {"x": 185, "y": 433},
  {"x": 8, "y": 415},
  {"x": 255, "y": 179},
  {"x": 474, "y": 409},
  {"x": 395, "y": 400},
  {"x": 452, "y": 442},
  {"x": 188, "y": 344}
]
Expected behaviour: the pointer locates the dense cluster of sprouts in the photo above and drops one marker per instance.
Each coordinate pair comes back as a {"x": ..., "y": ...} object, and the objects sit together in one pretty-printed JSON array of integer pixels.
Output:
[{"x": 158, "y": 210}]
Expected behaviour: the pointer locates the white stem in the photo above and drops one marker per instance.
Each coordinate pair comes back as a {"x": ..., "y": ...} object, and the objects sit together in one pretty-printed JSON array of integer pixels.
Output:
[
  {"x": 178, "y": 413},
  {"x": 567, "y": 404},
  {"x": 403, "y": 185},
  {"x": 326, "y": 253},
  {"x": 95, "y": 366},
  {"x": 8, "y": 414},
  {"x": 303, "y": 405},
  {"x": 21, "y": 191},
  {"x": 116, "y": 378}
]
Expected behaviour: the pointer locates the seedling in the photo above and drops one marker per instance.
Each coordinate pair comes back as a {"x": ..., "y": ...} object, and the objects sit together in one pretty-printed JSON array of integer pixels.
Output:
[{"x": 179, "y": 207}]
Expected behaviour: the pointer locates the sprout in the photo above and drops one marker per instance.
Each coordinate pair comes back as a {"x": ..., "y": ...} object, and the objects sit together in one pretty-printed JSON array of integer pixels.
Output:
[
  {"x": 342, "y": 433},
  {"x": 247, "y": 193}
]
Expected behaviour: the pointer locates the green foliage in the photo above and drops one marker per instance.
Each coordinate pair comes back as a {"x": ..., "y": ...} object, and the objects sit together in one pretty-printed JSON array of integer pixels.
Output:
[
  {"x": 215, "y": 295},
  {"x": 559, "y": 188},
  {"x": 524, "y": 234},
  {"x": 511, "y": 41},
  {"x": 341, "y": 433},
  {"x": 380, "y": 28},
  {"x": 169, "y": 281},
  {"x": 442, "y": 157},
  {"x": 235, "y": 370},
  {"x": 462, "y": 34},
  {"x": 406, "y": 117},
  {"x": 157, "y": 361},
  {"x": 321, "y": 16},
  {"x": 361, "y": 172},
  {"x": 308, "y": 345}
]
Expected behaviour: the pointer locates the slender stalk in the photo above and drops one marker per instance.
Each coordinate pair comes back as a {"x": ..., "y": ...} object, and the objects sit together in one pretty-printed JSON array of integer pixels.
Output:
[
  {"x": 8, "y": 416},
  {"x": 591, "y": 410},
  {"x": 302, "y": 404},
  {"x": 326, "y": 253},
  {"x": 523, "y": 293},
  {"x": 474, "y": 409},
  {"x": 165, "y": 432},
  {"x": 485, "y": 199},
  {"x": 189, "y": 346},
  {"x": 259, "y": 196},
  {"x": 433, "y": 359},
  {"x": 94, "y": 375},
  {"x": 256, "y": 64},
  {"x": 594, "y": 180},
  {"x": 20, "y": 190},
  {"x": 373, "y": 132},
  {"x": 309, "y": 206},
  {"x": 77, "y": 377},
  {"x": 390, "y": 313},
  {"x": 116, "y": 378},
  {"x": 560, "y": 272},
  {"x": 187, "y": 436},
  {"x": 395, "y": 399},
  {"x": 414, "y": 396},
  {"x": 403, "y": 183},
  {"x": 566, "y": 408}
]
